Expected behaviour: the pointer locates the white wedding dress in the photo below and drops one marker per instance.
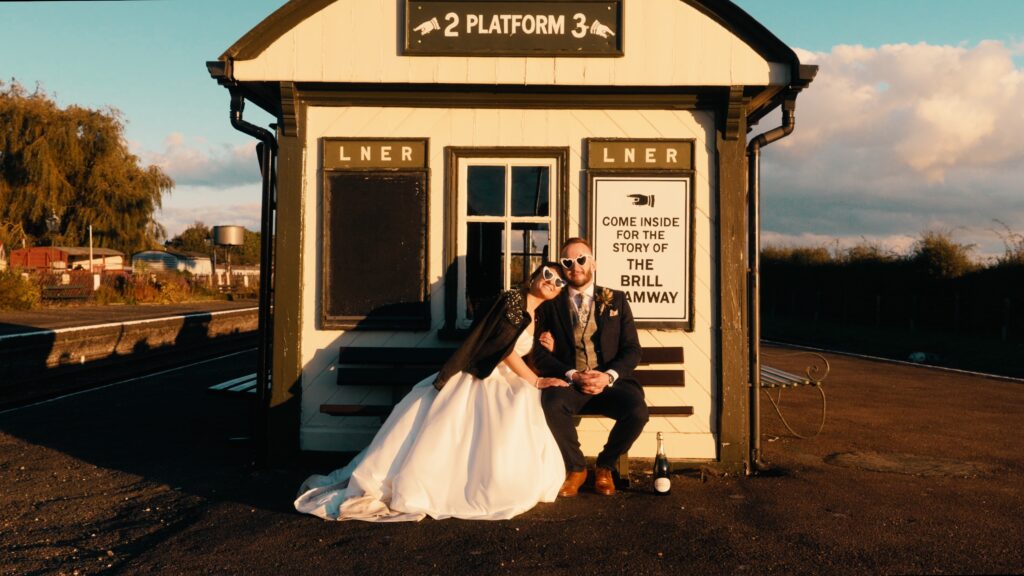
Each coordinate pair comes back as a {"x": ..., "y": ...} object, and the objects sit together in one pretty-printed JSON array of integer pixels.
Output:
[{"x": 476, "y": 449}]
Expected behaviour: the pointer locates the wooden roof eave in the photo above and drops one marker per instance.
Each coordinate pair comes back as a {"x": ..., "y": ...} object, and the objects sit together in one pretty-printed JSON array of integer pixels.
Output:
[
  {"x": 265, "y": 94},
  {"x": 765, "y": 99}
]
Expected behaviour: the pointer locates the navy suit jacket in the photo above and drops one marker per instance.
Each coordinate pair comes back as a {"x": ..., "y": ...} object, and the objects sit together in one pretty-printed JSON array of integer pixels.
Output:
[{"x": 617, "y": 343}]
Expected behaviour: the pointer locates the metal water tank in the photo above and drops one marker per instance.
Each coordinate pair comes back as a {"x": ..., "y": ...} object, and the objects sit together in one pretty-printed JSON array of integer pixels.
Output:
[{"x": 228, "y": 235}]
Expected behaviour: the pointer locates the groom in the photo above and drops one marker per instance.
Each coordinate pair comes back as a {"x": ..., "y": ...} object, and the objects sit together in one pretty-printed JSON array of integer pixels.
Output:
[{"x": 596, "y": 348}]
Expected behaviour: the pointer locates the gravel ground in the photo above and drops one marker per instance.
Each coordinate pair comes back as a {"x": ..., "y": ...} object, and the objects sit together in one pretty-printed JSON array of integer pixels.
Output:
[{"x": 917, "y": 471}]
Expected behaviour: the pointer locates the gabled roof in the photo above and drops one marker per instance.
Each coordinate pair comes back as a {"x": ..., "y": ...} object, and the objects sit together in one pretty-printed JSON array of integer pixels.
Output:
[
  {"x": 729, "y": 15},
  {"x": 301, "y": 47}
]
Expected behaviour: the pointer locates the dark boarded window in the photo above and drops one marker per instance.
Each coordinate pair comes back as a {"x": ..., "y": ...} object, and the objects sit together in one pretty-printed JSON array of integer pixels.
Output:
[{"x": 375, "y": 249}]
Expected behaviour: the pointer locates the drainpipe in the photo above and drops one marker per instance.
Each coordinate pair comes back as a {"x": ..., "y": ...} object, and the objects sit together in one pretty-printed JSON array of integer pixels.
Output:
[
  {"x": 754, "y": 273},
  {"x": 267, "y": 153}
]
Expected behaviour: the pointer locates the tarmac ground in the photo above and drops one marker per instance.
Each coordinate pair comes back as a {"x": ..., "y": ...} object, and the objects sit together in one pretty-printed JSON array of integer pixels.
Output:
[{"x": 917, "y": 471}]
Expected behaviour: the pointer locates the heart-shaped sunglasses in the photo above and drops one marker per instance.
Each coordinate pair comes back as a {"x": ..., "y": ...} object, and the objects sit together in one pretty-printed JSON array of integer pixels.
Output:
[
  {"x": 580, "y": 261},
  {"x": 550, "y": 276}
]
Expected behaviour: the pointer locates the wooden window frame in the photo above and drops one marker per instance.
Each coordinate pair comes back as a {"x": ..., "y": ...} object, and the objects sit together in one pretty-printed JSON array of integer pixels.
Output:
[{"x": 452, "y": 217}]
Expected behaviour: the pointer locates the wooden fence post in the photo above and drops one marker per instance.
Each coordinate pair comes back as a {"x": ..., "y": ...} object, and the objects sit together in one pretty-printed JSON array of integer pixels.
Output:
[{"x": 1006, "y": 319}]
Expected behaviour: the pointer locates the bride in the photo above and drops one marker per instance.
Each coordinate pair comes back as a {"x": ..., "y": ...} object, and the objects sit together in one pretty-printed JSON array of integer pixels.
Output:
[{"x": 470, "y": 443}]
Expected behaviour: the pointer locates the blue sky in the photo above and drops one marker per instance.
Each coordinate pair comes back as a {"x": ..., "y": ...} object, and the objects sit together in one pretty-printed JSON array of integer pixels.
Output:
[{"x": 907, "y": 62}]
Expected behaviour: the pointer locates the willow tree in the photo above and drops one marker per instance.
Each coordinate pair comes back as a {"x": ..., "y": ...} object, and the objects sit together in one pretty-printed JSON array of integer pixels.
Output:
[{"x": 74, "y": 163}]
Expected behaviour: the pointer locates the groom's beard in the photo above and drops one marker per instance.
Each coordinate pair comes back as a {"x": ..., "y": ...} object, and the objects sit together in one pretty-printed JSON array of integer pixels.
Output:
[{"x": 579, "y": 281}]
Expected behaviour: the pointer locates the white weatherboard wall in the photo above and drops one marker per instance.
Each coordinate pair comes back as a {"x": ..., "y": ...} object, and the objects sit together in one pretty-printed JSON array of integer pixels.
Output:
[
  {"x": 686, "y": 437},
  {"x": 667, "y": 42}
]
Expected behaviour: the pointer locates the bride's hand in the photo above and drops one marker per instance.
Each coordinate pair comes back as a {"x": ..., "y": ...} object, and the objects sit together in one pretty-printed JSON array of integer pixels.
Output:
[
  {"x": 543, "y": 383},
  {"x": 547, "y": 341}
]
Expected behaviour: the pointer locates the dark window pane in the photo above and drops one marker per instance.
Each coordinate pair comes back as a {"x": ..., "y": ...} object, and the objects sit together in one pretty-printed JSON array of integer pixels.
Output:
[
  {"x": 529, "y": 248},
  {"x": 530, "y": 191},
  {"x": 486, "y": 191},
  {"x": 484, "y": 265}
]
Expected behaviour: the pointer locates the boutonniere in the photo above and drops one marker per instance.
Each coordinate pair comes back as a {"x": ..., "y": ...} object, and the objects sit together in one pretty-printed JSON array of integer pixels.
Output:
[{"x": 604, "y": 300}]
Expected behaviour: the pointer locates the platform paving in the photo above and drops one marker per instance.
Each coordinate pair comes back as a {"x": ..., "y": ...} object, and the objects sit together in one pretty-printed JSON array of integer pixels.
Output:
[
  {"x": 917, "y": 471},
  {"x": 57, "y": 317}
]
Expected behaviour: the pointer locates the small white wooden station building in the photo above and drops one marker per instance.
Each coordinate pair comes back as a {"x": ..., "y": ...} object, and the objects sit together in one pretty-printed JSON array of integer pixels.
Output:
[{"x": 430, "y": 153}]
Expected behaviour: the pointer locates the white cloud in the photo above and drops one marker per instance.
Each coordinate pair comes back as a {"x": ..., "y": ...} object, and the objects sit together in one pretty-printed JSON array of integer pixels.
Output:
[
  {"x": 194, "y": 162},
  {"x": 895, "y": 140},
  {"x": 239, "y": 205}
]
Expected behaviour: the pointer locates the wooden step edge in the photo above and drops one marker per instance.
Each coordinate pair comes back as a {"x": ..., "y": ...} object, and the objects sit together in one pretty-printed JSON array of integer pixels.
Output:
[
  {"x": 655, "y": 378},
  {"x": 355, "y": 410},
  {"x": 670, "y": 410}
]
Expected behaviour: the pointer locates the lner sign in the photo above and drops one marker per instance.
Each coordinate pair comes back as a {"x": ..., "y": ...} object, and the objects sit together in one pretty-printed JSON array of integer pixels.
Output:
[{"x": 520, "y": 28}]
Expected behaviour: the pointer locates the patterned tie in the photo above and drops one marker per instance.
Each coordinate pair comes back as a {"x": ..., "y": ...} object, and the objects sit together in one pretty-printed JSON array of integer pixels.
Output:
[{"x": 582, "y": 306}]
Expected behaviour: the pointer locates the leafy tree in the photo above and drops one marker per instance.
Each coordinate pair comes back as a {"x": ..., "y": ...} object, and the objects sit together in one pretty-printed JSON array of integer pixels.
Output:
[
  {"x": 196, "y": 238},
  {"x": 249, "y": 252},
  {"x": 73, "y": 162},
  {"x": 199, "y": 238}
]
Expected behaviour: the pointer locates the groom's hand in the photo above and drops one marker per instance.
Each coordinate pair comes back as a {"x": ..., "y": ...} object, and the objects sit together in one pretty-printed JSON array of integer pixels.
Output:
[{"x": 591, "y": 382}]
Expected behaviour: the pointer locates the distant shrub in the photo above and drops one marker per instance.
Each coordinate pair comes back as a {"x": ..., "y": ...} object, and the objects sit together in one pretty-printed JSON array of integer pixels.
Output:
[
  {"x": 174, "y": 289},
  {"x": 800, "y": 255},
  {"x": 17, "y": 293},
  {"x": 141, "y": 289},
  {"x": 1013, "y": 242},
  {"x": 869, "y": 253},
  {"x": 937, "y": 255},
  {"x": 107, "y": 294}
]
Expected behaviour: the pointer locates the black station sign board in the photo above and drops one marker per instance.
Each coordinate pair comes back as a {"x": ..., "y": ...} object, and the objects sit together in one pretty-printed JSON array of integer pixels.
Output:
[
  {"x": 613, "y": 154},
  {"x": 513, "y": 28},
  {"x": 363, "y": 154}
]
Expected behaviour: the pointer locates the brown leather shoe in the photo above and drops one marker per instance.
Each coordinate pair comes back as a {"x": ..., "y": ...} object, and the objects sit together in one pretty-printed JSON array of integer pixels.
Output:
[
  {"x": 604, "y": 484},
  {"x": 573, "y": 481}
]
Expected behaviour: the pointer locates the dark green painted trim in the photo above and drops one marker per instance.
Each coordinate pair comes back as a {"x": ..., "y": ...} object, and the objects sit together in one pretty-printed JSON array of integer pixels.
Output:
[
  {"x": 284, "y": 418},
  {"x": 730, "y": 334},
  {"x": 509, "y": 96}
]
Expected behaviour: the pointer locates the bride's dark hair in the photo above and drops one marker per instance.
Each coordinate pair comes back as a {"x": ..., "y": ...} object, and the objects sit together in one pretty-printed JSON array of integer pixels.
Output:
[{"x": 555, "y": 266}]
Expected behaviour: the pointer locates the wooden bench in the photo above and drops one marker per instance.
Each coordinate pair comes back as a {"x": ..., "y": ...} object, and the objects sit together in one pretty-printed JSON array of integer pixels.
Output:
[
  {"x": 65, "y": 292},
  {"x": 242, "y": 385},
  {"x": 401, "y": 368}
]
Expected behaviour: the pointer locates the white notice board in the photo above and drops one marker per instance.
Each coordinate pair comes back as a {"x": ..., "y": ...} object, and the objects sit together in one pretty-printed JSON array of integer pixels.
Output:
[{"x": 642, "y": 236}]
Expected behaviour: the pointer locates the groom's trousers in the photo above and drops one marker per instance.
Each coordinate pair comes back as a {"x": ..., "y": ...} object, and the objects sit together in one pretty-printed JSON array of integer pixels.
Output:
[{"x": 623, "y": 402}]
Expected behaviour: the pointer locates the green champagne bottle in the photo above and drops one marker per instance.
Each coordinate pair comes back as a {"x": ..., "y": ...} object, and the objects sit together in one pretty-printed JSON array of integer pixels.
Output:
[{"x": 662, "y": 480}]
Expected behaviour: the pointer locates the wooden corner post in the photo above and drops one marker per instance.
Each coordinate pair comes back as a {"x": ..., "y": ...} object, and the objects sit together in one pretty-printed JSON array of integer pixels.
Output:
[{"x": 731, "y": 212}]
